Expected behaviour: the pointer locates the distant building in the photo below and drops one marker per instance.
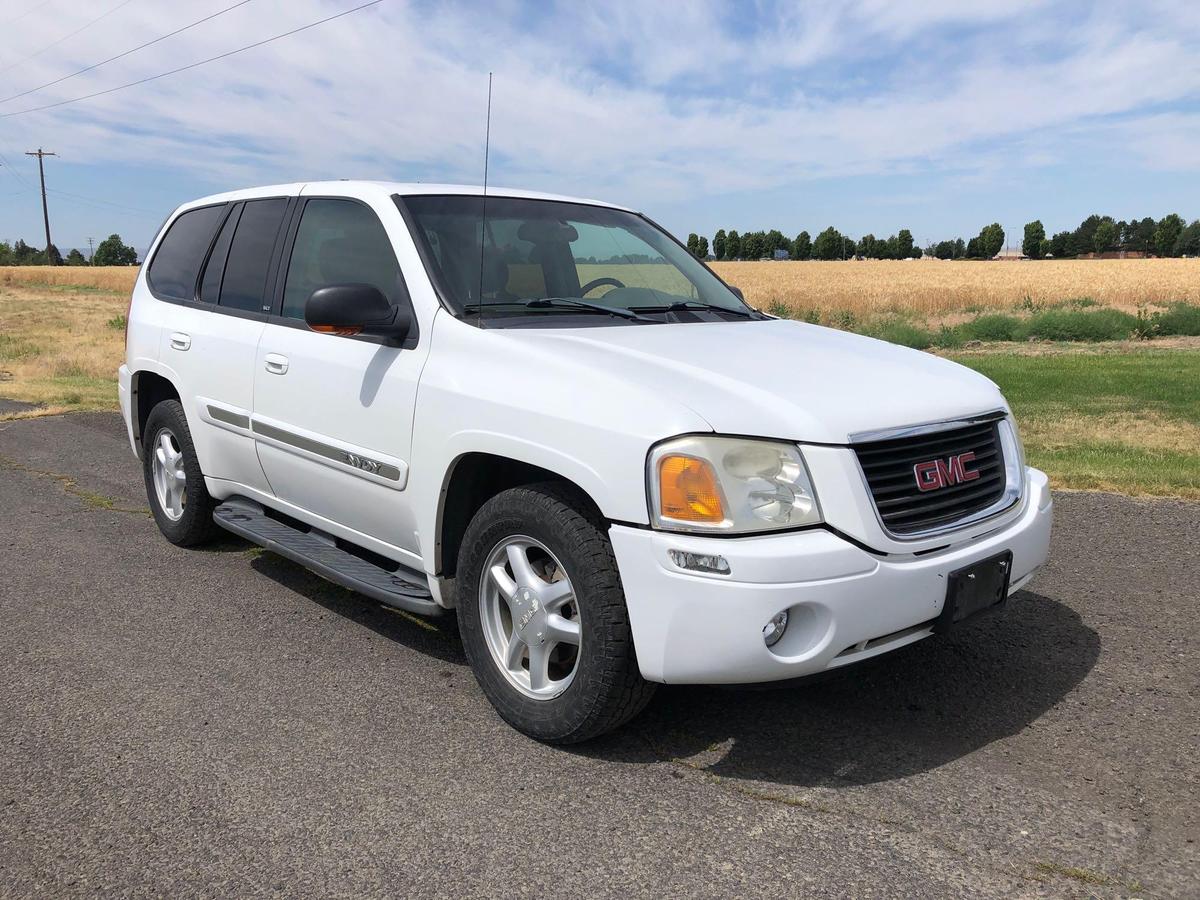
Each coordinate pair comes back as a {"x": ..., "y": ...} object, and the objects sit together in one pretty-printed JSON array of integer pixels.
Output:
[
  {"x": 1010, "y": 253},
  {"x": 782, "y": 254},
  {"x": 1116, "y": 254}
]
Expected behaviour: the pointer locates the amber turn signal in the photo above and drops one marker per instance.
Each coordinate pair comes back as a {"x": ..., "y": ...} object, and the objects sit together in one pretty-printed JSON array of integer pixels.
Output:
[
  {"x": 343, "y": 330},
  {"x": 688, "y": 491}
]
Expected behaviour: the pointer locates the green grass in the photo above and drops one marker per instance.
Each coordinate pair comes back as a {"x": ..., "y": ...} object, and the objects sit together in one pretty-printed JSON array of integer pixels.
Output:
[
  {"x": 1095, "y": 384},
  {"x": 1087, "y": 876},
  {"x": 992, "y": 327},
  {"x": 898, "y": 331},
  {"x": 13, "y": 347},
  {"x": 1080, "y": 325},
  {"x": 1181, "y": 318},
  {"x": 1079, "y": 321},
  {"x": 1115, "y": 421}
]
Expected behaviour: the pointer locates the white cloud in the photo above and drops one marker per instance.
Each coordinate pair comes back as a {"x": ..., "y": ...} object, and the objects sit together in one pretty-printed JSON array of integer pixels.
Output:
[{"x": 639, "y": 102}]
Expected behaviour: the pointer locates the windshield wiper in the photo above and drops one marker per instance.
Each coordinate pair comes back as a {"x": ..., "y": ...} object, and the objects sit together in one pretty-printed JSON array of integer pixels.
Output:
[
  {"x": 682, "y": 305},
  {"x": 572, "y": 303}
]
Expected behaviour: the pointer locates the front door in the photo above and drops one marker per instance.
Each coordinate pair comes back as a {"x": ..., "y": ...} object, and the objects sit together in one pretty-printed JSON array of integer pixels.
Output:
[{"x": 333, "y": 414}]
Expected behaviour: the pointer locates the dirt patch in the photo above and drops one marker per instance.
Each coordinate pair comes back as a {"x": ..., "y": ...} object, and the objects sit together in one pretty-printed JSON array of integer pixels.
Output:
[{"x": 1053, "y": 348}]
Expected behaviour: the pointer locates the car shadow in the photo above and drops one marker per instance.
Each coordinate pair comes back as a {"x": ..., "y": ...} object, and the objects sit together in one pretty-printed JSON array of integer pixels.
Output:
[
  {"x": 437, "y": 638},
  {"x": 901, "y": 714},
  {"x": 897, "y": 715}
]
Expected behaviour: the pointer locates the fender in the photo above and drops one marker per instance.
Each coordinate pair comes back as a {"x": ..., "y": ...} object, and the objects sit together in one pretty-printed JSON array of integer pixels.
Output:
[{"x": 429, "y": 494}]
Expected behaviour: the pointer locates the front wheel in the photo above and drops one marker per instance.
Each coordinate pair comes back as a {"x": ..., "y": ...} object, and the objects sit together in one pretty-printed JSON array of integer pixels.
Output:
[{"x": 543, "y": 618}]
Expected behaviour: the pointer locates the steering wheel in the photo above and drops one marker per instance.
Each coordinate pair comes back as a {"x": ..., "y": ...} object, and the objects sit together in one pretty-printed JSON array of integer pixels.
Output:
[{"x": 599, "y": 282}]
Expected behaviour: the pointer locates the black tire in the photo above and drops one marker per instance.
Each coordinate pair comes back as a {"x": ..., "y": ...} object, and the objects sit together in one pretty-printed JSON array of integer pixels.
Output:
[
  {"x": 195, "y": 526},
  {"x": 607, "y": 689}
]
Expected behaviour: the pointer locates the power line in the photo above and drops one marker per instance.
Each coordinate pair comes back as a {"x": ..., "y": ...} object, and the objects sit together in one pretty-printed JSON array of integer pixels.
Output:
[
  {"x": 8, "y": 167},
  {"x": 27, "y": 12},
  {"x": 194, "y": 65},
  {"x": 96, "y": 200},
  {"x": 122, "y": 55},
  {"x": 66, "y": 37}
]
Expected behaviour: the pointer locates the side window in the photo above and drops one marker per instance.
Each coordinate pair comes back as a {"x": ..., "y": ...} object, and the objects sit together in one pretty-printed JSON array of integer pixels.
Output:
[
  {"x": 176, "y": 264},
  {"x": 339, "y": 242},
  {"x": 214, "y": 269},
  {"x": 245, "y": 282}
]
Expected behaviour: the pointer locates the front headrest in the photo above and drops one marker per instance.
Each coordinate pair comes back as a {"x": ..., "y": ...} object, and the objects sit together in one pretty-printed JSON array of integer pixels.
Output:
[{"x": 545, "y": 231}]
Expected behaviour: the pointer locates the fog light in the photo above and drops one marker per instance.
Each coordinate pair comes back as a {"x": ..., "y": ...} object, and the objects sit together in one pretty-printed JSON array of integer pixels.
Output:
[
  {"x": 700, "y": 562},
  {"x": 774, "y": 629}
]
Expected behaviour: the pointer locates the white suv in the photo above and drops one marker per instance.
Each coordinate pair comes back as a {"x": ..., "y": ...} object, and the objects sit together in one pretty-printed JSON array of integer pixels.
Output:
[{"x": 545, "y": 414}]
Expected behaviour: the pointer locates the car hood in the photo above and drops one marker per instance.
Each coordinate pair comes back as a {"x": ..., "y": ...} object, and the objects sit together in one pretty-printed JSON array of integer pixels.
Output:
[{"x": 776, "y": 378}]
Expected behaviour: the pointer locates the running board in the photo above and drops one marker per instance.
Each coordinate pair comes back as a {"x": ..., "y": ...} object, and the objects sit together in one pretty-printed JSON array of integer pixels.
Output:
[{"x": 317, "y": 551}]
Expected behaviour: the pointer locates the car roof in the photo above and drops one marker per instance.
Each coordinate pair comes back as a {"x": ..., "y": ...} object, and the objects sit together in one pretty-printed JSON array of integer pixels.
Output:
[{"x": 388, "y": 188}]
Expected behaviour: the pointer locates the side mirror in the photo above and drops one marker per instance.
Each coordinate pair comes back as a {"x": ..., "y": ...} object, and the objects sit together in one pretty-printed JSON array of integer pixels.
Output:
[
  {"x": 349, "y": 309},
  {"x": 737, "y": 292}
]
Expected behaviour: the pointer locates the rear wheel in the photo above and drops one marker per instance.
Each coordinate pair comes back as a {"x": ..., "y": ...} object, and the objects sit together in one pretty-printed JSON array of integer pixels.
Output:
[
  {"x": 175, "y": 486},
  {"x": 543, "y": 617}
]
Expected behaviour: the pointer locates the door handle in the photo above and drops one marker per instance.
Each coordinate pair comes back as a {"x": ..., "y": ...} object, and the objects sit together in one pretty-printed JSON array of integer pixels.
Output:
[
  {"x": 276, "y": 364},
  {"x": 180, "y": 341}
]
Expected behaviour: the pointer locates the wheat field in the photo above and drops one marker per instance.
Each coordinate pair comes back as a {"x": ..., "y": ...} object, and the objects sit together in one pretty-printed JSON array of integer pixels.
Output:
[
  {"x": 114, "y": 279},
  {"x": 927, "y": 288},
  {"x": 934, "y": 288}
]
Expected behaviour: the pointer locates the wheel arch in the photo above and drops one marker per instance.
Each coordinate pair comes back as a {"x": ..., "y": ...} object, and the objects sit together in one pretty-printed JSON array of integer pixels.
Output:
[
  {"x": 472, "y": 479},
  {"x": 147, "y": 390}
]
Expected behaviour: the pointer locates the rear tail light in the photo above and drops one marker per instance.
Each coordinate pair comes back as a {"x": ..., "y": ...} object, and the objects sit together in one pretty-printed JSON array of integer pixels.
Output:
[{"x": 128, "y": 313}]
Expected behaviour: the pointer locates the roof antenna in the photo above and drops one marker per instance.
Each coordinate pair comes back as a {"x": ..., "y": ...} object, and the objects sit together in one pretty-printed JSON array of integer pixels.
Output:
[{"x": 487, "y": 140}]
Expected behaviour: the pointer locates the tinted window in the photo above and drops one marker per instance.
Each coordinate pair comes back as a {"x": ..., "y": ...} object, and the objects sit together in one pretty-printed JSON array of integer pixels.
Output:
[
  {"x": 245, "y": 283},
  {"x": 210, "y": 282},
  {"x": 177, "y": 261},
  {"x": 339, "y": 242}
]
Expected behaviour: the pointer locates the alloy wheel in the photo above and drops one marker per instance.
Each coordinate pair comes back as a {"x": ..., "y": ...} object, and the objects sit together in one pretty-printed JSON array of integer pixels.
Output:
[{"x": 530, "y": 617}]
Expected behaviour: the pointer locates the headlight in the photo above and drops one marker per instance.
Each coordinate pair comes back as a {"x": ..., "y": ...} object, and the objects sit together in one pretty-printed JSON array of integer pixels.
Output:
[
  {"x": 1014, "y": 454},
  {"x": 729, "y": 485}
]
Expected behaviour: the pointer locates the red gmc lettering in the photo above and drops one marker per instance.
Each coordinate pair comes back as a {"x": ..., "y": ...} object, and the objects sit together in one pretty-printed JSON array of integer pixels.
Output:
[{"x": 939, "y": 473}]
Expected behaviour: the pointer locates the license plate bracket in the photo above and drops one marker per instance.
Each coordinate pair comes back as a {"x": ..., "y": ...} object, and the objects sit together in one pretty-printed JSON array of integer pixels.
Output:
[{"x": 974, "y": 590}]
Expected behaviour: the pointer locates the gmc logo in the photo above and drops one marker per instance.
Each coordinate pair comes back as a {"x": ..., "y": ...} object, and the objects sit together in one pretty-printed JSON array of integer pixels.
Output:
[{"x": 934, "y": 474}]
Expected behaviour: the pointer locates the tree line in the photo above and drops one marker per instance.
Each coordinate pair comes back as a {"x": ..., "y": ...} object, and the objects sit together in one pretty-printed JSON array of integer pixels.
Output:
[
  {"x": 111, "y": 251},
  {"x": 829, "y": 244},
  {"x": 1169, "y": 236}
]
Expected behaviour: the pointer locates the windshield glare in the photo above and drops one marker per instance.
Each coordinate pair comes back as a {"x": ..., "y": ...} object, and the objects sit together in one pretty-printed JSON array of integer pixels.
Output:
[{"x": 538, "y": 249}]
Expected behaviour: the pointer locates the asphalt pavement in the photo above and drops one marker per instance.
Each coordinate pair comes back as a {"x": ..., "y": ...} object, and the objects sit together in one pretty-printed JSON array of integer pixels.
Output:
[{"x": 220, "y": 722}]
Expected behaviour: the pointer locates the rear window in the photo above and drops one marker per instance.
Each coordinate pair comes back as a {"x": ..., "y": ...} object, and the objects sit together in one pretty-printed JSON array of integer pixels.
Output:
[
  {"x": 176, "y": 264},
  {"x": 245, "y": 283}
]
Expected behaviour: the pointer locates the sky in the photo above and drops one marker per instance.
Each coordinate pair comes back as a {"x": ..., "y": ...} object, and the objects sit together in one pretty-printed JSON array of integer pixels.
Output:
[{"x": 936, "y": 115}]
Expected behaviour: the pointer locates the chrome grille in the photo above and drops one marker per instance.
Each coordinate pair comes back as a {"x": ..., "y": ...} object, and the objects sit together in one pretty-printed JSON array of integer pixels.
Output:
[{"x": 890, "y": 469}]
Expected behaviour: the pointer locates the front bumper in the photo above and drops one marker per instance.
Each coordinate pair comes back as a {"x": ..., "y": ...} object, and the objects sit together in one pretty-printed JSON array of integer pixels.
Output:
[{"x": 844, "y": 603}]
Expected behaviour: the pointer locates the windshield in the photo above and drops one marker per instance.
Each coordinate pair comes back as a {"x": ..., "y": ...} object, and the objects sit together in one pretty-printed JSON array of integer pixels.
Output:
[{"x": 546, "y": 258}]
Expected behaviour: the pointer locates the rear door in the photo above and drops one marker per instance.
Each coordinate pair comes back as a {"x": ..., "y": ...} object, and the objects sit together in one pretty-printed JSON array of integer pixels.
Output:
[
  {"x": 213, "y": 265},
  {"x": 333, "y": 414}
]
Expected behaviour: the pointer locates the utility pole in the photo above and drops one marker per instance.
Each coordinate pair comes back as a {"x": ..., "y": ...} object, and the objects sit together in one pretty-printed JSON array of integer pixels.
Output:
[
  {"x": 40, "y": 154},
  {"x": 91, "y": 251}
]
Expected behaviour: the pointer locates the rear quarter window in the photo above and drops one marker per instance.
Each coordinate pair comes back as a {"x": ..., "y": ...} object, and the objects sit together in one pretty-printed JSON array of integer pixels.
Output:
[
  {"x": 245, "y": 281},
  {"x": 176, "y": 265}
]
